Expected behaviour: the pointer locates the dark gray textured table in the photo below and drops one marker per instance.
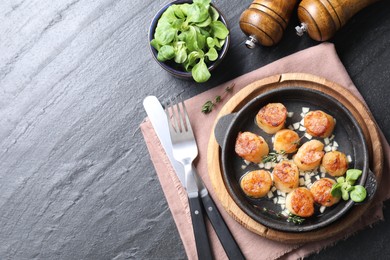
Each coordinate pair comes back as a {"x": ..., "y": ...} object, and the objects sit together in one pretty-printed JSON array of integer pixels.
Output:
[{"x": 76, "y": 181}]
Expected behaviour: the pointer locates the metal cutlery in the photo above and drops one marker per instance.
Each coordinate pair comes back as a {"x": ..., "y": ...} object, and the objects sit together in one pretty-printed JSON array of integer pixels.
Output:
[{"x": 185, "y": 150}]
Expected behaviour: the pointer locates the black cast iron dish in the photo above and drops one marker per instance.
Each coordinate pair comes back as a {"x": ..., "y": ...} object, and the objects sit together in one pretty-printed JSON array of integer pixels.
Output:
[{"x": 348, "y": 135}]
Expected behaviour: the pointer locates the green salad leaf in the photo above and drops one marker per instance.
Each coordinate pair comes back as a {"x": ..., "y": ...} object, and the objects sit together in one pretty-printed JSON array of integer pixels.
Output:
[
  {"x": 345, "y": 188},
  {"x": 190, "y": 35}
]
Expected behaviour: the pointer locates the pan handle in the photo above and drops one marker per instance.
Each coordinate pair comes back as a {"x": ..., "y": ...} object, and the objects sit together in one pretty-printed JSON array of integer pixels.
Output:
[
  {"x": 222, "y": 126},
  {"x": 371, "y": 185}
]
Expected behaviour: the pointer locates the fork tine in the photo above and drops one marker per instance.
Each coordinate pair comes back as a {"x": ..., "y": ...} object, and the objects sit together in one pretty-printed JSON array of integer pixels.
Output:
[{"x": 186, "y": 117}]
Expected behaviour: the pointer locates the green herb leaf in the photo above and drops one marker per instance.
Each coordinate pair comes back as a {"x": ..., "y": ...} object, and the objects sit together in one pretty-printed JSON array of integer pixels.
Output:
[
  {"x": 336, "y": 190},
  {"x": 205, "y": 23},
  {"x": 165, "y": 33},
  {"x": 212, "y": 54},
  {"x": 219, "y": 30},
  {"x": 353, "y": 175},
  {"x": 191, "y": 39},
  {"x": 197, "y": 13},
  {"x": 166, "y": 52},
  {"x": 180, "y": 52},
  {"x": 344, "y": 194},
  {"x": 213, "y": 13},
  {"x": 207, "y": 107},
  {"x": 205, "y": 3},
  {"x": 200, "y": 73},
  {"x": 358, "y": 194},
  {"x": 155, "y": 44}
]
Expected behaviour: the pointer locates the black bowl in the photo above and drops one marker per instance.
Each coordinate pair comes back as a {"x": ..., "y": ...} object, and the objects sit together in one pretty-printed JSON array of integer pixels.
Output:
[
  {"x": 347, "y": 132},
  {"x": 176, "y": 69}
]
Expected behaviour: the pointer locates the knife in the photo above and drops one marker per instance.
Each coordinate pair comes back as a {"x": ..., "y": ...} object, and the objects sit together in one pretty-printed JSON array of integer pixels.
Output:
[{"x": 158, "y": 118}]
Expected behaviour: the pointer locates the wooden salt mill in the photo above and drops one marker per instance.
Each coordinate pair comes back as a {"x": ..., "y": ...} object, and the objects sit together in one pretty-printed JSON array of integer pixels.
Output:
[
  {"x": 265, "y": 21},
  {"x": 322, "y": 18}
]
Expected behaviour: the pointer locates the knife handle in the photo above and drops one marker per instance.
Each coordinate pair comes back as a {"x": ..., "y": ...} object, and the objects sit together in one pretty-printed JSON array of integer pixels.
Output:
[
  {"x": 225, "y": 237},
  {"x": 198, "y": 223}
]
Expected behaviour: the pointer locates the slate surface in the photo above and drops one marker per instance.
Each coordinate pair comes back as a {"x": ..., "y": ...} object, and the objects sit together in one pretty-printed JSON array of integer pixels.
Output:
[{"x": 76, "y": 181}]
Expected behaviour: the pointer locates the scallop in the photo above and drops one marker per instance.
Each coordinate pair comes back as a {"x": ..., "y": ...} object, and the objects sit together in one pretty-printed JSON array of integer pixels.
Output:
[
  {"x": 318, "y": 123},
  {"x": 256, "y": 184},
  {"x": 335, "y": 163},
  {"x": 321, "y": 192},
  {"x": 251, "y": 147},
  {"x": 300, "y": 202},
  {"x": 309, "y": 155},
  {"x": 286, "y": 176},
  {"x": 286, "y": 140},
  {"x": 272, "y": 117}
]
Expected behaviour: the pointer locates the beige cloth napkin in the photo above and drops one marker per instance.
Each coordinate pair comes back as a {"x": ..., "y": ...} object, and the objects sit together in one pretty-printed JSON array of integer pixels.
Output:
[{"x": 321, "y": 60}]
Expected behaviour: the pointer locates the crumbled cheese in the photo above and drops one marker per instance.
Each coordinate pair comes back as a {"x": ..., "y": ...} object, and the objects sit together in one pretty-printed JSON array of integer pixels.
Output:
[
  {"x": 317, "y": 177},
  {"x": 305, "y": 109},
  {"x": 275, "y": 200},
  {"x": 308, "y": 136},
  {"x": 327, "y": 148},
  {"x": 281, "y": 200},
  {"x": 322, "y": 169},
  {"x": 273, "y": 139},
  {"x": 302, "y": 128},
  {"x": 335, "y": 144},
  {"x": 302, "y": 122},
  {"x": 290, "y": 114},
  {"x": 323, "y": 175},
  {"x": 270, "y": 194},
  {"x": 290, "y": 127},
  {"x": 273, "y": 188},
  {"x": 332, "y": 137},
  {"x": 247, "y": 162},
  {"x": 349, "y": 159},
  {"x": 322, "y": 209},
  {"x": 273, "y": 164},
  {"x": 296, "y": 125},
  {"x": 243, "y": 167},
  {"x": 334, "y": 148},
  {"x": 301, "y": 181}
]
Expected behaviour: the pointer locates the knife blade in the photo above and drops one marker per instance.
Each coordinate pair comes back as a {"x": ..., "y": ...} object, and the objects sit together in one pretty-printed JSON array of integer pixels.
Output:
[
  {"x": 158, "y": 118},
  {"x": 159, "y": 122}
]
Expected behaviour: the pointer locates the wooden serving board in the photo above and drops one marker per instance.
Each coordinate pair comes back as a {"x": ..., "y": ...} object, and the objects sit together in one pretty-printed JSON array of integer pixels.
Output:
[{"x": 350, "y": 101}]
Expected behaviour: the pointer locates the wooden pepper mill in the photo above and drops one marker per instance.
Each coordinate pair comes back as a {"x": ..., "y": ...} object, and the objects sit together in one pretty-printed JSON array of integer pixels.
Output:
[
  {"x": 265, "y": 21},
  {"x": 322, "y": 18}
]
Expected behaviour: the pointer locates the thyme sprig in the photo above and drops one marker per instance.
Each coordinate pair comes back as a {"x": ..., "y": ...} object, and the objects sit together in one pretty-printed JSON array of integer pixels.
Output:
[
  {"x": 209, "y": 104},
  {"x": 272, "y": 156},
  {"x": 289, "y": 218}
]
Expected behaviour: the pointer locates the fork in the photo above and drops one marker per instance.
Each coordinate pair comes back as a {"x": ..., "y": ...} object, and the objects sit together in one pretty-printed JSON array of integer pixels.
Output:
[{"x": 185, "y": 150}]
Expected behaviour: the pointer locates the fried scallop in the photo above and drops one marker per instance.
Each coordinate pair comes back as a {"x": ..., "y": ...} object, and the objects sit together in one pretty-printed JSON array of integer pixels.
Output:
[
  {"x": 251, "y": 147},
  {"x": 286, "y": 176},
  {"x": 286, "y": 140},
  {"x": 335, "y": 163},
  {"x": 321, "y": 192},
  {"x": 256, "y": 184},
  {"x": 309, "y": 155},
  {"x": 318, "y": 123},
  {"x": 272, "y": 117},
  {"x": 300, "y": 202}
]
